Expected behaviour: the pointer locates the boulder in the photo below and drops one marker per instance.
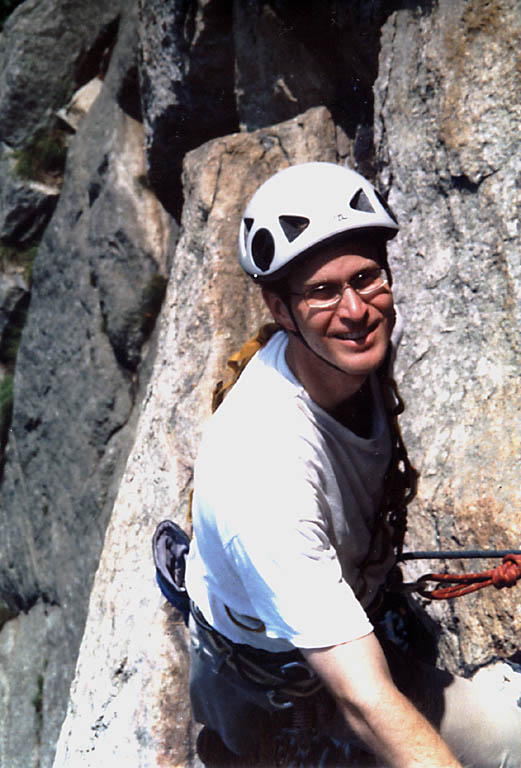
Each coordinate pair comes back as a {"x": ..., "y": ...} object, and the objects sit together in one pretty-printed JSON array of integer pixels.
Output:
[
  {"x": 452, "y": 74},
  {"x": 38, "y": 75},
  {"x": 131, "y": 705},
  {"x": 98, "y": 280}
]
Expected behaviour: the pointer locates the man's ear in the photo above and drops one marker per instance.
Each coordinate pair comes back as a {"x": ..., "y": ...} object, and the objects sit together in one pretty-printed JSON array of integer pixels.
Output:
[{"x": 277, "y": 307}]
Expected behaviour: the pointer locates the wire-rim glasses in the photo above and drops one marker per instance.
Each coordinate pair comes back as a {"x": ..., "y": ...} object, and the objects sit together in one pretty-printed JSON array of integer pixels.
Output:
[{"x": 365, "y": 283}]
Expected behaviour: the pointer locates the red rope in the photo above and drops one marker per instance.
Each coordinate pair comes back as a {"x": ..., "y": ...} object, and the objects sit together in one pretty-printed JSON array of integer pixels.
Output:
[{"x": 506, "y": 574}]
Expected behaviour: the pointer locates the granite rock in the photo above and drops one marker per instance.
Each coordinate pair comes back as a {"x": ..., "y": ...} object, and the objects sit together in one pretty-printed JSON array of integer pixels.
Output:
[
  {"x": 453, "y": 74},
  {"x": 137, "y": 712},
  {"x": 48, "y": 49},
  {"x": 79, "y": 370}
]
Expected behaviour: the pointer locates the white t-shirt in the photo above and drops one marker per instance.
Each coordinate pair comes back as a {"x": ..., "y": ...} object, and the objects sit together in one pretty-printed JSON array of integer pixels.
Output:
[{"x": 284, "y": 503}]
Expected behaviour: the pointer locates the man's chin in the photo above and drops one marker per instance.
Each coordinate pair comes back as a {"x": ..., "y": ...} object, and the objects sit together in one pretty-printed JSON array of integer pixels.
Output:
[{"x": 361, "y": 363}]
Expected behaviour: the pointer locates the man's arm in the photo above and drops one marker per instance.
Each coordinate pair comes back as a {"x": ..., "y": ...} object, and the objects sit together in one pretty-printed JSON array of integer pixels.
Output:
[{"x": 358, "y": 676}]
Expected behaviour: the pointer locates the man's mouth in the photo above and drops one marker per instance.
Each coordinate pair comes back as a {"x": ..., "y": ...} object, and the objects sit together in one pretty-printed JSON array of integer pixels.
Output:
[{"x": 355, "y": 335}]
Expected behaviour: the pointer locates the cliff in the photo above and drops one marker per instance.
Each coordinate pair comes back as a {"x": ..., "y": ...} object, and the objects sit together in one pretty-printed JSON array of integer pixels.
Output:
[{"x": 131, "y": 135}]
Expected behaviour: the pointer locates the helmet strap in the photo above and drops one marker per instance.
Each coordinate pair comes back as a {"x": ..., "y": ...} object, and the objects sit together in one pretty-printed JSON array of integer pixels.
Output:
[{"x": 298, "y": 333}]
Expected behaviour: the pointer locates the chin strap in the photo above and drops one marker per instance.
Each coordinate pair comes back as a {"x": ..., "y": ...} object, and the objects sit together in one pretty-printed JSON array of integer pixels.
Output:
[{"x": 299, "y": 335}]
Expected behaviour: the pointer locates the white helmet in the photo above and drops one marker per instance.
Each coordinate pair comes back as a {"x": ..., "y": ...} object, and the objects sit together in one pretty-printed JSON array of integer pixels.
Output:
[{"x": 302, "y": 206}]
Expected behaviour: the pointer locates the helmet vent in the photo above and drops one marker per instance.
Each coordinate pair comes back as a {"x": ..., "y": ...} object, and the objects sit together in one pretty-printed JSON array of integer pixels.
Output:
[
  {"x": 360, "y": 202},
  {"x": 293, "y": 226},
  {"x": 248, "y": 224},
  {"x": 263, "y": 249},
  {"x": 386, "y": 206}
]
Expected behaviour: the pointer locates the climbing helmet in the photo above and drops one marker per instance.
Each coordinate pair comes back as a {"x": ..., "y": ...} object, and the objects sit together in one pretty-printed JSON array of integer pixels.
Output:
[{"x": 303, "y": 206}]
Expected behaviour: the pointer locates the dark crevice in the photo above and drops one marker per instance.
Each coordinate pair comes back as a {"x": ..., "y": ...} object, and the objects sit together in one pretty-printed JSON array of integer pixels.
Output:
[
  {"x": 128, "y": 96},
  {"x": 95, "y": 61},
  {"x": 464, "y": 184},
  {"x": 203, "y": 106}
]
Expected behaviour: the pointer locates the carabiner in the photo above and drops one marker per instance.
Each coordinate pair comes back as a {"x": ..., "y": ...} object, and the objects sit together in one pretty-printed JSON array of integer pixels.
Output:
[{"x": 278, "y": 704}]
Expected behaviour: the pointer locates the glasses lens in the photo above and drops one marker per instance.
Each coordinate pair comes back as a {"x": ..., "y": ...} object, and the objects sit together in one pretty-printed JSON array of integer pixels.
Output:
[
  {"x": 368, "y": 281},
  {"x": 327, "y": 294},
  {"x": 323, "y": 295}
]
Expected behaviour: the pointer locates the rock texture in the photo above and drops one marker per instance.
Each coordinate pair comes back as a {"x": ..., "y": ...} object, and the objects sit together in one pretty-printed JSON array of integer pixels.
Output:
[
  {"x": 423, "y": 98},
  {"x": 47, "y": 50},
  {"x": 454, "y": 74},
  {"x": 137, "y": 714},
  {"x": 80, "y": 365}
]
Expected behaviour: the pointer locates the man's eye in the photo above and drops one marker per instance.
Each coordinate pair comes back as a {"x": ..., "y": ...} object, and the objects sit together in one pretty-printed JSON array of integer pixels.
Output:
[
  {"x": 322, "y": 292},
  {"x": 365, "y": 279}
]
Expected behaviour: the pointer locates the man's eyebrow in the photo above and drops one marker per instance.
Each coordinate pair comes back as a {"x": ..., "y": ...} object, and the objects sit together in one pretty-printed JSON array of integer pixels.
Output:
[{"x": 314, "y": 282}]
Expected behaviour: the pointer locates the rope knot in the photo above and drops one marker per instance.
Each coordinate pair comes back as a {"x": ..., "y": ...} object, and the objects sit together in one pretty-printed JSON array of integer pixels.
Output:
[{"x": 508, "y": 573}]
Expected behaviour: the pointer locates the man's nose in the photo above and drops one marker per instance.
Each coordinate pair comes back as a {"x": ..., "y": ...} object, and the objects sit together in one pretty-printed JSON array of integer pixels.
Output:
[{"x": 351, "y": 305}]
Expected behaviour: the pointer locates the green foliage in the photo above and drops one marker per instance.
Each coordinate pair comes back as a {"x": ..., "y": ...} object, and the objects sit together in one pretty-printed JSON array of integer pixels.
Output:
[
  {"x": 22, "y": 257},
  {"x": 10, "y": 339},
  {"x": 43, "y": 158},
  {"x": 6, "y": 613},
  {"x": 6, "y": 8}
]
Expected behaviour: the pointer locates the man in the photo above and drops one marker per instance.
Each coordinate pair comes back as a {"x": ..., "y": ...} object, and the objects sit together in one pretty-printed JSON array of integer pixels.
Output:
[{"x": 293, "y": 507}]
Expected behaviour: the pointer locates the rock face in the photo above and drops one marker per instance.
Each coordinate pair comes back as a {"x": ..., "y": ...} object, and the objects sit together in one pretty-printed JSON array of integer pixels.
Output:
[
  {"x": 452, "y": 75},
  {"x": 420, "y": 97},
  {"x": 96, "y": 284},
  {"x": 40, "y": 74},
  {"x": 138, "y": 714}
]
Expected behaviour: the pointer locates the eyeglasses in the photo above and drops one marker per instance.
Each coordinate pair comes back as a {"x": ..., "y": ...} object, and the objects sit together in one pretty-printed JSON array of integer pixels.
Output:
[{"x": 324, "y": 295}]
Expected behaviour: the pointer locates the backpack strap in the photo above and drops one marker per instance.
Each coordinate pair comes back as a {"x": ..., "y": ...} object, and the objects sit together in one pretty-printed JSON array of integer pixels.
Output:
[{"x": 237, "y": 362}]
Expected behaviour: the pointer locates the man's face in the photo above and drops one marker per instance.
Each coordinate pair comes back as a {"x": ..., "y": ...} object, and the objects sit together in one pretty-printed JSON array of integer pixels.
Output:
[{"x": 354, "y": 334}]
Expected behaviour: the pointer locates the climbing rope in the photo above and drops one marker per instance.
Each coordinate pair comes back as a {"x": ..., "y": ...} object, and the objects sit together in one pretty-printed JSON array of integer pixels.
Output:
[{"x": 507, "y": 574}]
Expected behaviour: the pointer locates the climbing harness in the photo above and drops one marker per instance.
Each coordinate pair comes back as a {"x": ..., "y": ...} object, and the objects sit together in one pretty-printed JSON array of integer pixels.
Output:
[{"x": 282, "y": 676}]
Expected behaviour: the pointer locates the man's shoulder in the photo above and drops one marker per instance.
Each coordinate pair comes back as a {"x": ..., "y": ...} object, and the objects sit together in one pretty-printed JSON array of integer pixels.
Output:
[
  {"x": 264, "y": 418},
  {"x": 264, "y": 390}
]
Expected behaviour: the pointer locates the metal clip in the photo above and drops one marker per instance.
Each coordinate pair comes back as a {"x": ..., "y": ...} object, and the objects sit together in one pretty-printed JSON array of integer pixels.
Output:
[
  {"x": 297, "y": 665},
  {"x": 278, "y": 704}
]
